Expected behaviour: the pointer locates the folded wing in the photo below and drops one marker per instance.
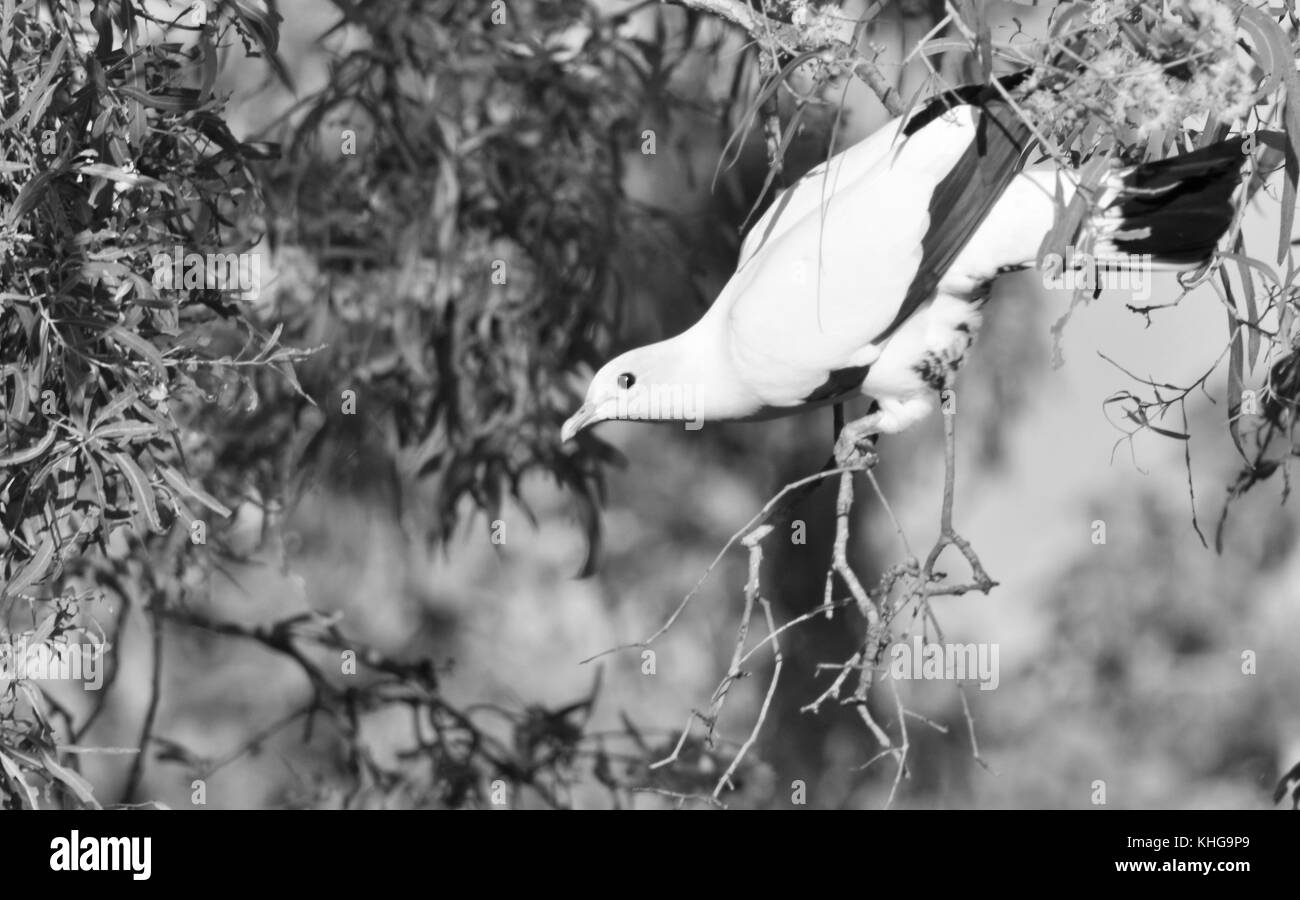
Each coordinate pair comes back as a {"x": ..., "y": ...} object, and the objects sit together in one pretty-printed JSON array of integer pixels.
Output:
[{"x": 811, "y": 306}]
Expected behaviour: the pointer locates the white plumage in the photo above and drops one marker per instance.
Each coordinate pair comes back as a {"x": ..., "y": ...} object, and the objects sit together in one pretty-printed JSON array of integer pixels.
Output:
[{"x": 867, "y": 276}]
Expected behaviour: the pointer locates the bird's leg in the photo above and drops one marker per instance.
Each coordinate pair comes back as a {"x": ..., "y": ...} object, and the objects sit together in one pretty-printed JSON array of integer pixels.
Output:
[{"x": 855, "y": 442}]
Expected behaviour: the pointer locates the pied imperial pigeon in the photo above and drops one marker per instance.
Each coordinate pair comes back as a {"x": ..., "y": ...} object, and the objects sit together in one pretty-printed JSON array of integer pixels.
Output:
[{"x": 868, "y": 275}]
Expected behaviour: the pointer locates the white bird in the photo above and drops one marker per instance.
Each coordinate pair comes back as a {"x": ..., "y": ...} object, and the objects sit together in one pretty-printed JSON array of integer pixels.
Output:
[{"x": 868, "y": 275}]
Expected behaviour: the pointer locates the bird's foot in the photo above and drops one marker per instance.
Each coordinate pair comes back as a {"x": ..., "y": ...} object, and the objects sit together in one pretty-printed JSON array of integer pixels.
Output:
[{"x": 855, "y": 448}]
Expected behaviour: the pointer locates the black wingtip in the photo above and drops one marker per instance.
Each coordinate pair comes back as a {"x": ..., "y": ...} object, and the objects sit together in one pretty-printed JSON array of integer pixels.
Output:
[{"x": 965, "y": 95}]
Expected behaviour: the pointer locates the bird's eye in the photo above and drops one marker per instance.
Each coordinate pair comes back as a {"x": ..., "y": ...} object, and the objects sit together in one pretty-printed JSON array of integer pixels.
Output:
[{"x": 626, "y": 380}]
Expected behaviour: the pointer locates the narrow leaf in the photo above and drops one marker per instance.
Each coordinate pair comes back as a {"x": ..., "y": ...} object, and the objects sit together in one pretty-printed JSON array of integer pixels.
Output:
[
  {"x": 180, "y": 483},
  {"x": 34, "y": 571},
  {"x": 142, "y": 490}
]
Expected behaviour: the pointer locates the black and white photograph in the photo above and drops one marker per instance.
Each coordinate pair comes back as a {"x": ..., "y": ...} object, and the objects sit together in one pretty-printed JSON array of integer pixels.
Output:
[{"x": 649, "y": 405}]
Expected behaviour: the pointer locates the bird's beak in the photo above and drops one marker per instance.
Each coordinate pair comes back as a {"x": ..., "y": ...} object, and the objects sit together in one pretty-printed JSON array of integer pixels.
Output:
[{"x": 585, "y": 415}]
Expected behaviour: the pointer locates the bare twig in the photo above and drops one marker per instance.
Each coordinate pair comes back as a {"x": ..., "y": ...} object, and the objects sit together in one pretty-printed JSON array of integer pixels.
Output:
[
  {"x": 948, "y": 536},
  {"x": 775, "y": 511},
  {"x": 156, "y": 603},
  {"x": 725, "y": 780}
]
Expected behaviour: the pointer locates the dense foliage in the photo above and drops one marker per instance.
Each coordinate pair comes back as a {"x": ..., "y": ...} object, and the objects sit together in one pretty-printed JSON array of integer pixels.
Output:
[{"x": 392, "y": 292}]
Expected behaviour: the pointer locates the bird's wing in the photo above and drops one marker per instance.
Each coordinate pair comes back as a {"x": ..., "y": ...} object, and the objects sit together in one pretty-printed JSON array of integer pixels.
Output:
[
  {"x": 965, "y": 197},
  {"x": 813, "y": 305},
  {"x": 838, "y": 173},
  {"x": 817, "y": 186}
]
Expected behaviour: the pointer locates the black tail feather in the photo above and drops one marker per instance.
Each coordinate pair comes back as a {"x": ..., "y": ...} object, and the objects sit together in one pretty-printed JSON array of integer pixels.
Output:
[{"x": 1177, "y": 209}]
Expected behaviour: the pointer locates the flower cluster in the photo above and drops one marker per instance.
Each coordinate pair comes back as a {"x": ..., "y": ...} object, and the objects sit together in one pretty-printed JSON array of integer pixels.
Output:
[{"x": 1140, "y": 70}]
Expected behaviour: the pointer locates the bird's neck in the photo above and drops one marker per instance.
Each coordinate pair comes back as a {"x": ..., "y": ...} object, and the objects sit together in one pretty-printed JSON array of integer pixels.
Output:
[{"x": 704, "y": 371}]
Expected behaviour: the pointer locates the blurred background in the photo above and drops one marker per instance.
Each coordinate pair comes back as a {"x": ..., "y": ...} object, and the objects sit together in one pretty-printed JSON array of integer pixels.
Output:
[{"x": 1120, "y": 662}]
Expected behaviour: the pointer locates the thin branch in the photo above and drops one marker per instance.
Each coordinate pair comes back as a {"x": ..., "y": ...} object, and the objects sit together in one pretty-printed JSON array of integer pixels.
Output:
[
  {"x": 778, "y": 662},
  {"x": 775, "y": 510},
  {"x": 947, "y": 534},
  {"x": 156, "y": 603}
]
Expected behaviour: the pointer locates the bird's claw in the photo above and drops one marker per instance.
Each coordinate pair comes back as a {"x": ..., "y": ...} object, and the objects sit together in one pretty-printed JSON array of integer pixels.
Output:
[{"x": 855, "y": 450}]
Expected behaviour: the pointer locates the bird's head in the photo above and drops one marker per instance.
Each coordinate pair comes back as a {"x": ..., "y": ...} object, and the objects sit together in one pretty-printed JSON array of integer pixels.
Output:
[{"x": 646, "y": 384}]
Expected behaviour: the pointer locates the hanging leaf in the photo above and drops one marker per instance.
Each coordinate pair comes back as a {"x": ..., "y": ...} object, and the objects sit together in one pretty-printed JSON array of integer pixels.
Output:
[
  {"x": 1070, "y": 217},
  {"x": 38, "y": 449},
  {"x": 24, "y": 791},
  {"x": 133, "y": 341},
  {"x": 1236, "y": 384},
  {"x": 125, "y": 430},
  {"x": 40, "y": 92},
  {"x": 1252, "y": 310},
  {"x": 1271, "y": 48},
  {"x": 79, "y": 787},
  {"x": 29, "y": 196},
  {"x": 181, "y": 484},
  {"x": 33, "y": 571},
  {"x": 117, "y": 405},
  {"x": 146, "y": 511}
]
